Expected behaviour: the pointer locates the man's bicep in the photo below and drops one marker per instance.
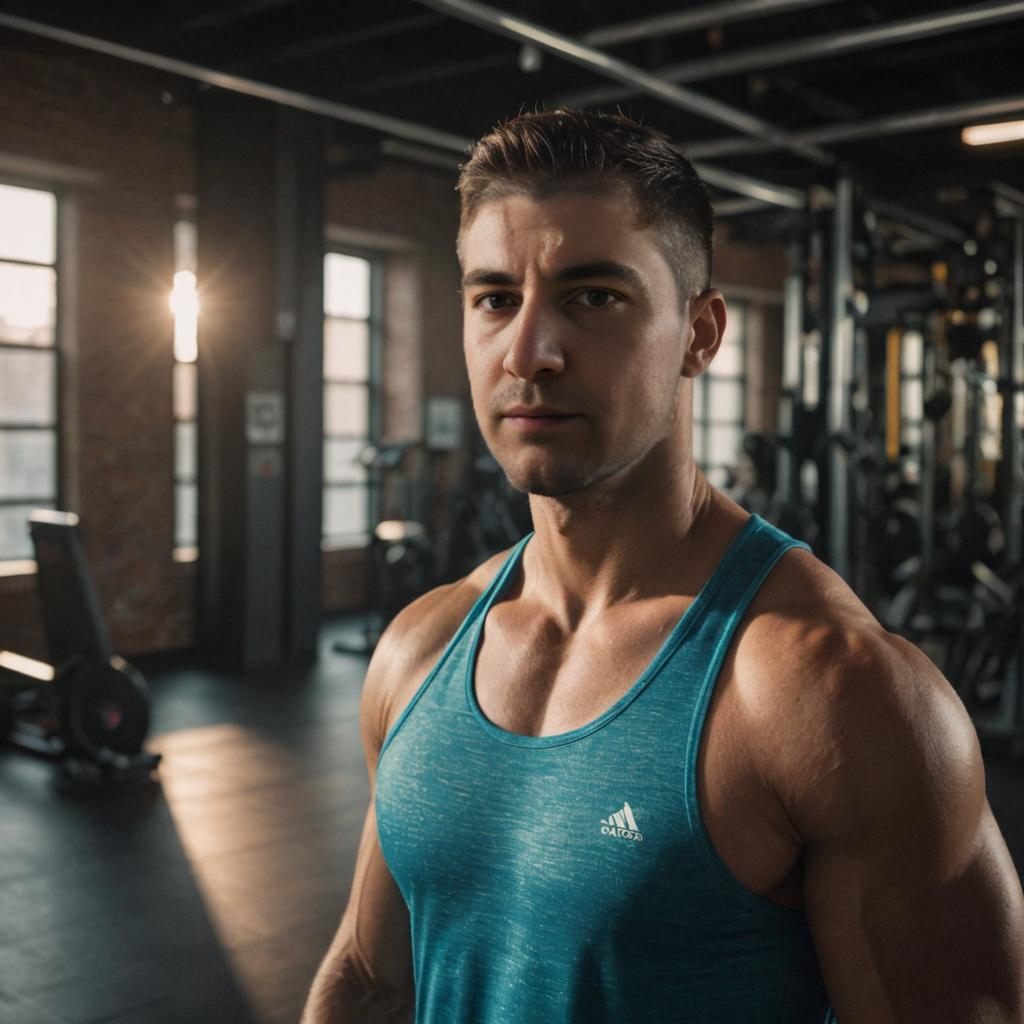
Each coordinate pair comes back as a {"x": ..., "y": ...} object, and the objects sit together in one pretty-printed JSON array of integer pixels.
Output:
[
  {"x": 898, "y": 945},
  {"x": 371, "y": 954},
  {"x": 910, "y": 893}
]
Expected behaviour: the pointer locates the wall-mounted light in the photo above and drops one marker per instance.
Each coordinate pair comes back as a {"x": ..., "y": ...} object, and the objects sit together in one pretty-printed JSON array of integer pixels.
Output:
[{"x": 989, "y": 134}]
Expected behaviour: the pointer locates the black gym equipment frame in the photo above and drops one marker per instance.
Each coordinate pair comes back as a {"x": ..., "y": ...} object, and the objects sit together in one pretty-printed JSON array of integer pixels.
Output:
[{"x": 86, "y": 708}]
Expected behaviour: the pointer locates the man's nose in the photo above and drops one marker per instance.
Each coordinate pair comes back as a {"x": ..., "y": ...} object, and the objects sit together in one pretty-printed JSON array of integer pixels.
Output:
[{"x": 534, "y": 347}]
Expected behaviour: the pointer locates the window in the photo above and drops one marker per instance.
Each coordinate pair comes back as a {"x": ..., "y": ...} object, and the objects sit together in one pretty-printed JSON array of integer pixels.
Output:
[
  {"x": 718, "y": 403},
  {"x": 349, "y": 329},
  {"x": 28, "y": 363},
  {"x": 184, "y": 304}
]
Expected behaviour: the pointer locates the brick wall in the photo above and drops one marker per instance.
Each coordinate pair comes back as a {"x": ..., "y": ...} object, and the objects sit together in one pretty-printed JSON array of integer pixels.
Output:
[
  {"x": 116, "y": 141},
  {"x": 117, "y": 154}
]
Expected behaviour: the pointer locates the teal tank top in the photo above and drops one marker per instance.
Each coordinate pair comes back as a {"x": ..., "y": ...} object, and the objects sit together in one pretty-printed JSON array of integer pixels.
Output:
[{"x": 568, "y": 879}]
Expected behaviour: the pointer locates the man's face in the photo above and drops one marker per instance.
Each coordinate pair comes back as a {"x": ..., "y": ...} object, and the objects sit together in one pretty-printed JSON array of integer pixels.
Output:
[{"x": 574, "y": 338}]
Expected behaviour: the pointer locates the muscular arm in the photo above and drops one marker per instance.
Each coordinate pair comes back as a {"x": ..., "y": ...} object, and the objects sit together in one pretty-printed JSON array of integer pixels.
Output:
[
  {"x": 366, "y": 975},
  {"x": 912, "y": 899}
]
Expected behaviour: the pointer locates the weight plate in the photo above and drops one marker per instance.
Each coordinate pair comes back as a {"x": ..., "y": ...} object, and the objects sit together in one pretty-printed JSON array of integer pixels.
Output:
[{"x": 105, "y": 706}]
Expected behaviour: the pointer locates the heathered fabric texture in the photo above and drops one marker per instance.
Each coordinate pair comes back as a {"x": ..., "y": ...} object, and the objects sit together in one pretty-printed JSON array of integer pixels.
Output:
[{"x": 568, "y": 878}]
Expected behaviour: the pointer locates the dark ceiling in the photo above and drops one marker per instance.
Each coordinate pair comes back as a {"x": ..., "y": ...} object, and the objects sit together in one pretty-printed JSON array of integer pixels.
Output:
[{"x": 801, "y": 66}]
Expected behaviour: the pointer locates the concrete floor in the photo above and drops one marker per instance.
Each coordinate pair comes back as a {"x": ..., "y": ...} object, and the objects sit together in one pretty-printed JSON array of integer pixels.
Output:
[{"x": 212, "y": 896}]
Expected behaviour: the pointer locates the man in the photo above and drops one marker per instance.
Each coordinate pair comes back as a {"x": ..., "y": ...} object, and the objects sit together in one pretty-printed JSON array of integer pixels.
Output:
[{"x": 658, "y": 763}]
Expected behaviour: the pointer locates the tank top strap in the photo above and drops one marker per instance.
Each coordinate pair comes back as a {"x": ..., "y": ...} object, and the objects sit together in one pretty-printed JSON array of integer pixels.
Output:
[
  {"x": 737, "y": 580},
  {"x": 739, "y": 577}
]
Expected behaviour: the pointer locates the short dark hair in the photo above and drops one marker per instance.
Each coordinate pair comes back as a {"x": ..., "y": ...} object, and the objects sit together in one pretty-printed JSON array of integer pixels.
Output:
[{"x": 542, "y": 153}]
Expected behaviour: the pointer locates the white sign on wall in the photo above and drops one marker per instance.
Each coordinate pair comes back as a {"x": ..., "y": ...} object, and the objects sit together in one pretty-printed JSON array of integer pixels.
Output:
[{"x": 264, "y": 417}]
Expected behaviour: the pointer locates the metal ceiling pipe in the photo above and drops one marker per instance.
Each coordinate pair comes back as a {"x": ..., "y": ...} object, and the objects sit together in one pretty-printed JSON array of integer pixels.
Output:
[
  {"x": 494, "y": 20},
  {"x": 893, "y": 124},
  {"x": 393, "y": 126},
  {"x": 938, "y": 229},
  {"x": 727, "y": 12},
  {"x": 285, "y": 97},
  {"x": 737, "y": 207},
  {"x": 752, "y": 188},
  {"x": 816, "y": 48}
]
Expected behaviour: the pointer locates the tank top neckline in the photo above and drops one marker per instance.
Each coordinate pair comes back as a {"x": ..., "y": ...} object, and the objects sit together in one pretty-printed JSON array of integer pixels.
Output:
[{"x": 686, "y": 623}]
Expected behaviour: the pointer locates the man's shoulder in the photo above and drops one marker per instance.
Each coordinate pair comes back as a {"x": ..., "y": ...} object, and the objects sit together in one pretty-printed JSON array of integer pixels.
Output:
[
  {"x": 415, "y": 639},
  {"x": 851, "y": 709},
  {"x": 811, "y": 639}
]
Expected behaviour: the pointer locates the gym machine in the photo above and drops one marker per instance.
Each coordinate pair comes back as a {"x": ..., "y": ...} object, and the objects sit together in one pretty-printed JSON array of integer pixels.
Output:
[
  {"x": 86, "y": 708},
  {"x": 894, "y": 460}
]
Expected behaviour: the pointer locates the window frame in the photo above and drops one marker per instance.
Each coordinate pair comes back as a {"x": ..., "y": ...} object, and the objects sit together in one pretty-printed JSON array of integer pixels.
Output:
[
  {"x": 705, "y": 422},
  {"x": 183, "y": 552},
  {"x": 12, "y": 565},
  {"x": 374, "y": 409}
]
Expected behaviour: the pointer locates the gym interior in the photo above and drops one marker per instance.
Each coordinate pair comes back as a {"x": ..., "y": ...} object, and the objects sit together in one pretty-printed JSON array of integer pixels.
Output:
[{"x": 236, "y": 435}]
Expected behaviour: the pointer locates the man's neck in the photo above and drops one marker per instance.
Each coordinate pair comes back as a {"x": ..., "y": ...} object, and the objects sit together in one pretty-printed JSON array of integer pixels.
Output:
[{"x": 624, "y": 539}]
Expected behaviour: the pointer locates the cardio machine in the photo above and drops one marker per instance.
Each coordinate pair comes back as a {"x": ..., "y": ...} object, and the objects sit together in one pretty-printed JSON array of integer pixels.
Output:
[{"x": 86, "y": 707}]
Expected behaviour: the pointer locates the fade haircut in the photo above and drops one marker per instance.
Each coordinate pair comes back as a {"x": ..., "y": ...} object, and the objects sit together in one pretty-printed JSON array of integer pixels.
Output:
[{"x": 547, "y": 152}]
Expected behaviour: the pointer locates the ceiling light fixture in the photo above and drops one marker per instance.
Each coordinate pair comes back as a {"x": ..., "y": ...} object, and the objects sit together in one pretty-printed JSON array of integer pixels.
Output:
[{"x": 988, "y": 134}]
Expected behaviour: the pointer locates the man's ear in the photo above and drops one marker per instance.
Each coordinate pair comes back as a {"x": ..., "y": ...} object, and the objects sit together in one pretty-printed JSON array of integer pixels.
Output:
[{"x": 707, "y": 318}]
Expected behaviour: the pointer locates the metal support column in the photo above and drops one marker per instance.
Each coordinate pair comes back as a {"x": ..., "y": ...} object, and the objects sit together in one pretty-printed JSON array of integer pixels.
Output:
[
  {"x": 260, "y": 233},
  {"x": 841, "y": 371},
  {"x": 1012, "y": 373},
  {"x": 787, "y": 478}
]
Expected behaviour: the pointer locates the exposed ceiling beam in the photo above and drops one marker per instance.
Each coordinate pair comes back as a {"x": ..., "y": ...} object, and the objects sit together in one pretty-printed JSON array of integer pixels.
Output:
[
  {"x": 392, "y": 126},
  {"x": 934, "y": 227},
  {"x": 218, "y": 17},
  {"x": 817, "y": 47},
  {"x": 325, "y": 42},
  {"x": 891, "y": 124},
  {"x": 235, "y": 83},
  {"x": 493, "y": 20},
  {"x": 724, "y": 13}
]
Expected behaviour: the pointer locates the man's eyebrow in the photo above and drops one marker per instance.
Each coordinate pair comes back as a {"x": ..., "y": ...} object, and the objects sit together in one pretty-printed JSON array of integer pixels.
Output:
[
  {"x": 487, "y": 277},
  {"x": 600, "y": 268},
  {"x": 577, "y": 272}
]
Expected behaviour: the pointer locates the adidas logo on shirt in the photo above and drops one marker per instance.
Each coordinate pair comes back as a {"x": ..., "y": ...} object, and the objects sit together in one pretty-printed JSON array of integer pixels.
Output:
[{"x": 622, "y": 824}]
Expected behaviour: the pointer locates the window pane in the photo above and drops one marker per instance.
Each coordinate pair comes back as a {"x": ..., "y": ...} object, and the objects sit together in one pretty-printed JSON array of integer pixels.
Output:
[
  {"x": 185, "y": 241},
  {"x": 185, "y": 441},
  {"x": 28, "y": 464},
  {"x": 346, "y": 286},
  {"x": 341, "y": 465},
  {"x": 186, "y": 504},
  {"x": 185, "y": 307},
  {"x": 725, "y": 400},
  {"x": 346, "y": 410},
  {"x": 718, "y": 476},
  {"x": 736, "y": 325},
  {"x": 345, "y": 511},
  {"x": 15, "y": 542},
  {"x": 184, "y": 391},
  {"x": 728, "y": 361},
  {"x": 346, "y": 350},
  {"x": 724, "y": 444},
  {"x": 28, "y": 304},
  {"x": 28, "y": 224},
  {"x": 27, "y": 387}
]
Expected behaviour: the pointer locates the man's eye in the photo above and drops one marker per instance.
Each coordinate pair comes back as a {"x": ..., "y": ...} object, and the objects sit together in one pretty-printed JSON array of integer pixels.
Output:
[
  {"x": 494, "y": 302},
  {"x": 596, "y": 298}
]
